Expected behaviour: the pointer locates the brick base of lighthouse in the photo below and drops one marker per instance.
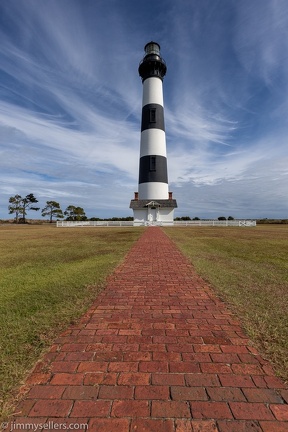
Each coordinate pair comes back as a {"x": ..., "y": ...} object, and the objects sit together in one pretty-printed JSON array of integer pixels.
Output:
[{"x": 147, "y": 212}]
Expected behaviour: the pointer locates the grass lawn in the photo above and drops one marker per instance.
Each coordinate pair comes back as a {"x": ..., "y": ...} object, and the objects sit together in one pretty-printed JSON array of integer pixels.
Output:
[
  {"x": 248, "y": 267},
  {"x": 48, "y": 277}
]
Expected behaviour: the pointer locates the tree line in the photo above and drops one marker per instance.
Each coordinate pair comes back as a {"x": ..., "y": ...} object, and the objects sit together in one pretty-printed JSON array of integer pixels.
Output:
[
  {"x": 19, "y": 206},
  {"x": 188, "y": 218}
]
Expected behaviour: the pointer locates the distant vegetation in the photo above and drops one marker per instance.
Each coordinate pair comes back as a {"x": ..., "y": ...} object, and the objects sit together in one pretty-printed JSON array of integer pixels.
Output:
[
  {"x": 223, "y": 218},
  {"x": 272, "y": 221},
  {"x": 19, "y": 207},
  {"x": 188, "y": 218}
]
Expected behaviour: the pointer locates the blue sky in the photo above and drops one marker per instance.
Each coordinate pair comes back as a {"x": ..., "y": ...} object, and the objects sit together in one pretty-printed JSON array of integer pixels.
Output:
[{"x": 70, "y": 103}]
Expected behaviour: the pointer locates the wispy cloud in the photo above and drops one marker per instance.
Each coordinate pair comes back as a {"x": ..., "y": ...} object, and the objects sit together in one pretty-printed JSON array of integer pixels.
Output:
[{"x": 261, "y": 40}]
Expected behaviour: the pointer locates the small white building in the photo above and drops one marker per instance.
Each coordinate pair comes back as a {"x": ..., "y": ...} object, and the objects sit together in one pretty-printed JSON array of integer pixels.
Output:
[{"x": 160, "y": 212}]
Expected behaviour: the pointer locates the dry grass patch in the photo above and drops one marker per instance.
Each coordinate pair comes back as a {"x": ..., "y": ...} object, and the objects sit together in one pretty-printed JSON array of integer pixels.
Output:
[
  {"x": 248, "y": 267},
  {"x": 48, "y": 277}
]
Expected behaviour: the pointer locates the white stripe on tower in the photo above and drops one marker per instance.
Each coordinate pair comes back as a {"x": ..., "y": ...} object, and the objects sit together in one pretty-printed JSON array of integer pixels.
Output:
[{"x": 153, "y": 178}]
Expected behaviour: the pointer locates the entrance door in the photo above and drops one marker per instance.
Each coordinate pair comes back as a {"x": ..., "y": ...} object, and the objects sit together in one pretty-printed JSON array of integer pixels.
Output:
[{"x": 151, "y": 214}]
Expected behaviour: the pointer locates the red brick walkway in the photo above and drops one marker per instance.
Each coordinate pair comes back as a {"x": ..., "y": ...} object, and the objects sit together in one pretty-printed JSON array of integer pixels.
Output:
[{"x": 158, "y": 351}]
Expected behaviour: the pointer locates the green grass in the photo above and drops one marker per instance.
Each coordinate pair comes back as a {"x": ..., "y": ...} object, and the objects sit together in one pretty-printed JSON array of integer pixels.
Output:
[
  {"x": 248, "y": 267},
  {"x": 48, "y": 277}
]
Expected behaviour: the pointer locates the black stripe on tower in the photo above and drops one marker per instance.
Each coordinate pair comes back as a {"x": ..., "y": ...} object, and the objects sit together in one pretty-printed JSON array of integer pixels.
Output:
[
  {"x": 153, "y": 168},
  {"x": 152, "y": 117},
  {"x": 148, "y": 69}
]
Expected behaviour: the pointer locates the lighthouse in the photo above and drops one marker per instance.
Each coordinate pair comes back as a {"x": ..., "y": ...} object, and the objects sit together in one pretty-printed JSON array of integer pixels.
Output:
[{"x": 153, "y": 203}]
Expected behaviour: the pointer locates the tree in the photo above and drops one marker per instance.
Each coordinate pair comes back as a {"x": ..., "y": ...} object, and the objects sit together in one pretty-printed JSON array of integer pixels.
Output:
[
  {"x": 230, "y": 218},
  {"x": 221, "y": 218},
  {"x": 51, "y": 209},
  {"x": 27, "y": 204},
  {"x": 15, "y": 206},
  {"x": 73, "y": 213},
  {"x": 19, "y": 206}
]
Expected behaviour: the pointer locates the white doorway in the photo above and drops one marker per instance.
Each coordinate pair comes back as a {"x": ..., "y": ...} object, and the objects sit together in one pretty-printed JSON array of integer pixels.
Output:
[{"x": 152, "y": 214}]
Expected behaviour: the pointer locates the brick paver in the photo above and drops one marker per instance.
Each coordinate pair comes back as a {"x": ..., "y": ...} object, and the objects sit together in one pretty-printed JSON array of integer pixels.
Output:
[{"x": 158, "y": 351}]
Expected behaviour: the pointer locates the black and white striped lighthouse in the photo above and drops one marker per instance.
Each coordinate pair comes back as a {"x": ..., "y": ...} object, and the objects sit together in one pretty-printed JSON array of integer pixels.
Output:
[{"x": 153, "y": 203}]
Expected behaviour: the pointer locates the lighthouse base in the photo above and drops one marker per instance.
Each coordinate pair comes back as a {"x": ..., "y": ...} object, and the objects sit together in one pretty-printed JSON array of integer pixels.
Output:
[{"x": 147, "y": 212}]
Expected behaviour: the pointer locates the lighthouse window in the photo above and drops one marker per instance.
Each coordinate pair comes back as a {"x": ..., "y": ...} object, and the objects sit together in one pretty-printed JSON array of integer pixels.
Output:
[
  {"x": 153, "y": 115},
  {"x": 152, "y": 163}
]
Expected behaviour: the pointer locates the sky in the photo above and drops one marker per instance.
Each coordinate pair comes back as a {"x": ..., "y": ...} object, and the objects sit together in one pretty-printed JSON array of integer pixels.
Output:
[{"x": 71, "y": 95}]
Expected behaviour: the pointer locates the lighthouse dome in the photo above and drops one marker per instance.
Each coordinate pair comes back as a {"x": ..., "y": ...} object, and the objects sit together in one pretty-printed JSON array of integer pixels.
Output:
[{"x": 152, "y": 48}]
